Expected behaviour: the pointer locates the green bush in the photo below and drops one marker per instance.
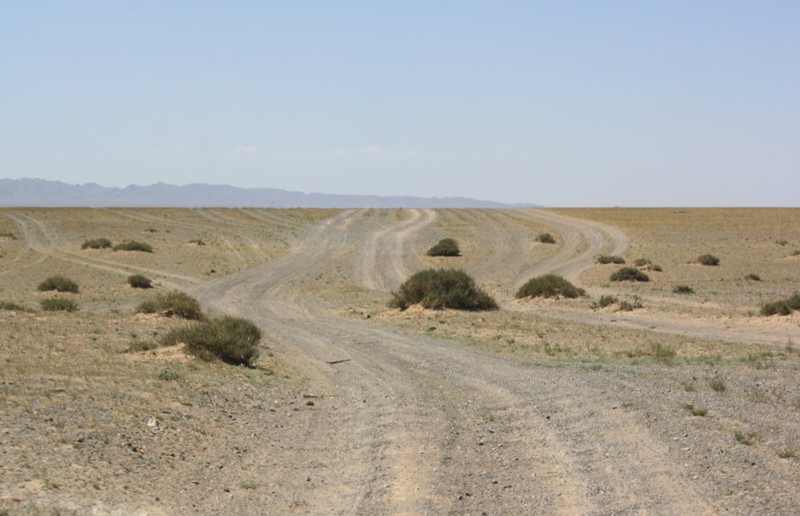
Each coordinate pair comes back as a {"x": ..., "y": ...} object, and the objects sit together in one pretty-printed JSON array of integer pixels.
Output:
[
  {"x": 442, "y": 288},
  {"x": 175, "y": 304},
  {"x": 546, "y": 238},
  {"x": 12, "y": 307},
  {"x": 683, "y": 289},
  {"x": 59, "y": 284},
  {"x": 232, "y": 340},
  {"x": 549, "y": 285},
  {"x": 139, "y": 281},
  {"x": 445, "y": 247},
  {"x": 629, "y": 274},
  {"x": 708, "y": 259},
  {"x": 782, "y": 307},
  {"x": 604, "y": 259},
  {"x": 133, "y": 245},
  {"x": 98, "y": 243},
  {"x": 55, "y": 304}
]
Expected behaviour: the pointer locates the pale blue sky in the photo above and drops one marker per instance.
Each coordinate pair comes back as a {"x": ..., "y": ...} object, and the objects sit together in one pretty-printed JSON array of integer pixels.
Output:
[{"x": 578, "y": 103}]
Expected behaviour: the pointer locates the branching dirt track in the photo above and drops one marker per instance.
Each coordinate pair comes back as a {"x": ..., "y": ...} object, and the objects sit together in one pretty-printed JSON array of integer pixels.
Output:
[{"x": 412, "y": 424}]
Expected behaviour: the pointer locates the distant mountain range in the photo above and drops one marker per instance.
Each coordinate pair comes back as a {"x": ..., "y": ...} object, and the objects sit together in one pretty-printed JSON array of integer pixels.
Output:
[{"x": 40, "y": 192}]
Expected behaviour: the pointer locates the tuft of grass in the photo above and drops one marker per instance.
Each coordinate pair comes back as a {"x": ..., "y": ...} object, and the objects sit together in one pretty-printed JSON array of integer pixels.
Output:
[
  {"x": 546, "y": 238},
  {"x": 752, "y": 277},
  {"x": 59, "y": 284},
  {"x": 58, "y": 304},
  {"x": 97, "y": 243},
  {"x": 604, "y": 259},
  {"x": 442, "y": 288},
  {"x": 629, "y": 274},
  {"x": 139, "y": 281},
  {"x": 12, "y": 307},
  {"x": 695, "y": 411},
  {"x": 748, "y": 439},
  {"x": 683, "y": 289},
  {"x": 230, "y": 339},
  {"x": 168, "y": 374},
  {"x": 642, "y": 262},
  {"x": 605, "y": 301},
  {"x": 782, "y": 307},
  {"x": 717, "y": 384},
  {"x": 549, "y": 285},
  {"x": 175, "y": 304},
  {"x": 787, "y": 453},
  {"x": 133, "y": 245},
  {"x": 708, "y": 259},
  {"x": 629, "y": 306},
  {"x": 663, "y": 353},
  {"x": 8, "y": 234},
  {"x": 445, "y": 247}
]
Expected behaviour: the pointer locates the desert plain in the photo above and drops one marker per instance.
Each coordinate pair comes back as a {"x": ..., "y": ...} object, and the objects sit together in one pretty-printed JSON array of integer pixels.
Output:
[{"x": 661, "y": 400}]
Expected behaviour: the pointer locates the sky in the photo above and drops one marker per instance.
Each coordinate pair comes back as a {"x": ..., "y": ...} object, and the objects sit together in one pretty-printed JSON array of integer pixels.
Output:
[{"x": 578, "y": 103}]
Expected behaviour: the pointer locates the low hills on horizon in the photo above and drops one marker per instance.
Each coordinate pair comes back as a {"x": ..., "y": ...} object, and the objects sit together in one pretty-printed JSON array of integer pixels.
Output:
[{"x": 45, "y": 193}]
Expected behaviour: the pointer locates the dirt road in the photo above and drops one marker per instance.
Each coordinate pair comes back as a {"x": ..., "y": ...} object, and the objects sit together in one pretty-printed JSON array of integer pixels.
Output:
[{"x": 411, "y": 425}]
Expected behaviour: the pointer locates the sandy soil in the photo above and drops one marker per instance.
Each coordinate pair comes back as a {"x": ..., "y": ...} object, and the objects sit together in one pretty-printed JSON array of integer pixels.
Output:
[{"x": 543, "y": 406}]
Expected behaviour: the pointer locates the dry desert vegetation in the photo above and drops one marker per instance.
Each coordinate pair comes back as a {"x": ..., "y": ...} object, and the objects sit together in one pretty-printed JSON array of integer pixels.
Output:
[{"x": 669, "y": 396}]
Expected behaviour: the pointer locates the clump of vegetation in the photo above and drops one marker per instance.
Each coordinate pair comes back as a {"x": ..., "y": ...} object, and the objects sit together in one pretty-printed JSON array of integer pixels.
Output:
[
  {"x": 549, "y": 285},
  {"x": 604, "y": 259},
  {"x": 445, "y": 247},
  {"x": 56, "y": 304},
  {"x": 695, "y": 411},
  {"x": 97, "y": 243},
  {"x": 629, "y": 306},
  {"x": 12, "y": 307},
  {"x": 629, "y": 274},
  {"x": 717, "y": 384},
  {"x": 546, "y": 238},
  {"x": 782, "y": 307},
  {"x": 172, "y": 304},
  {"x": 59, "y": 284},
  {"x": 782, "y": 242},
  {"x": 139, "y": 281},
  {"x": 8, "y": 235},
  {"x": 647, "y": 264},
  {"x": 197, "y": 241},
  {"x": 133, "y": 245},
  {"x": 442, "y": 288},
  {"x": 230, "y": 339},
  {"x": 708, "y": 259},
  {"x": 683, "y": 289},
  {"x": 747, "y": 439},
  {"x": 752, "y": 277},
  {"x": 605, "y": 301},
  {"x": 168, "y": 374}
]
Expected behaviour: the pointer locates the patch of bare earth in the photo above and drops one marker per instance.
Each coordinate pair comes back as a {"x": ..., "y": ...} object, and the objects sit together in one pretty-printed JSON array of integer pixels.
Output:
[{"x": 543, "y": 406}]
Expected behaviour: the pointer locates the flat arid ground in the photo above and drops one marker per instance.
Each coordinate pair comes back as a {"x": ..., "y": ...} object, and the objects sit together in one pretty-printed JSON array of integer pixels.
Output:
[{"x": 688, "y": 403}]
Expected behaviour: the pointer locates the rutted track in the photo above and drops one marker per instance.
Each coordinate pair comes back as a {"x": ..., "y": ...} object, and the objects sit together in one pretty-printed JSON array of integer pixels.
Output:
[{"x": 404, "y": 426}]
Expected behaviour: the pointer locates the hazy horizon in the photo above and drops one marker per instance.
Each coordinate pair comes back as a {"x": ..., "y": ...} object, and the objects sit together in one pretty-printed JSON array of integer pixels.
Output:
[{"x": 578, "y": 104}]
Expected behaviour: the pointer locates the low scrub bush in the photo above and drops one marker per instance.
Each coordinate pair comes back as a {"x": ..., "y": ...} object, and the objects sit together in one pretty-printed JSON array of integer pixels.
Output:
[
  {"x": 630, "y": 306},
  {"x": 549, "y": 285},
  {"x": 175, "y": 304},
  {"x": 56, "y": 304},
  {"x": 683, "y": 289},
  {"x": 12, "y": 307},
  {"x": 752, "y": 277},
  {"x": 8, "y": 235},
  {"x": 230, "y": 339},
  {"x": 641, "y": 262},
  {"x": 604, "y": 259},
  {"x": 782, "y": 307},
  {"x": 133, "y": 245},
  {"x": 139, "y": 281},
  {"x": 97, "y": 243},
  {"x": 708, "y": 259},
  {"x": 442, "y": 288},
  {"x": 546, "y": 238},
  {"x": 59, "y": 284},
  {"x": 629, "y": 274},
  {"x": 445, "y": 247},
  {"x": 605, "y": 301}
]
